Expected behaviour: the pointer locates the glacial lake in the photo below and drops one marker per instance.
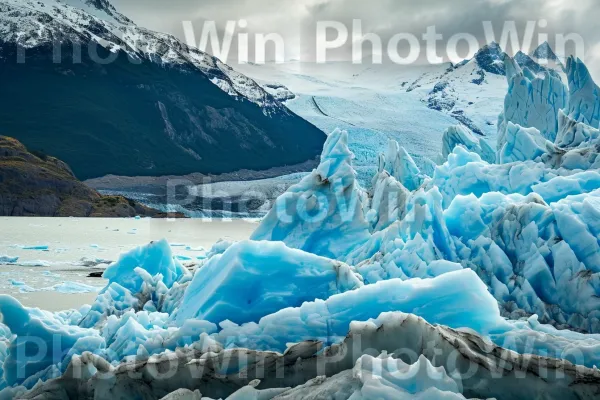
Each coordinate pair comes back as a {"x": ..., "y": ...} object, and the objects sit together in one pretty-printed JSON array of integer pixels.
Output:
[{"x": 45, "y": 262}]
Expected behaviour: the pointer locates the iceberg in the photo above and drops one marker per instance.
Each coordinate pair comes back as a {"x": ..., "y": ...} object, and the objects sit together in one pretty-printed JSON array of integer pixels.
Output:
[
  {"x": 399, "y": 164},
  {"x": 8, "y": 260},
  {"x": 155, "y": 259}
]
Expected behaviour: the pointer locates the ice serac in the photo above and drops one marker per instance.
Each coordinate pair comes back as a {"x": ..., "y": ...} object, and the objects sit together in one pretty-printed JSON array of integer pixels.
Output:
[
  {"x": 466, "y": 173},
  {"x": 532, "y": 255},
  {"x": 417, "y": 246},
  {"x": 573, "y": 134},
  {"x": 584, "y": 94},
  {"x": 253, "y": 279},
  {"x": 387, "y": 199},
  {"x": 532, "y": 101},
  {"x": 460, "y": 135},
  {"x": 322, "y": 214},
  {"x": 523, "y": 144},
  {"x": 527, "y": 144},
  {"x": 402, "y": 167}
]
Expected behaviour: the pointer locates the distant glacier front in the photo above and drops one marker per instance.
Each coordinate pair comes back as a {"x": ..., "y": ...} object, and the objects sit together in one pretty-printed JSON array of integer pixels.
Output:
[{"x": 477, "y": 279}]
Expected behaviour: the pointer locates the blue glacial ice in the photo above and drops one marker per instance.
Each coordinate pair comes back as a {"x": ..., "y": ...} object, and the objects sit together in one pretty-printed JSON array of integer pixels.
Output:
[
  {"x": 459, "y": 135},
  {"x": 35, "y": 247},
  {"x": 322, "y": 213},
  {"x": 493, "y": 259},
  {"x": 532, "y": 101},
  {"x": 266, "y": 277},
  {"x": 584, "y": 94},
  {"x": 155, "y": 259}
]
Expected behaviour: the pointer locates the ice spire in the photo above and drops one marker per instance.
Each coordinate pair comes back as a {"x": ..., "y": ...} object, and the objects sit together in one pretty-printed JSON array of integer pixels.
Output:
[
  {"x": 323, "y": 213},
  {"x": 584, "y": 94}
]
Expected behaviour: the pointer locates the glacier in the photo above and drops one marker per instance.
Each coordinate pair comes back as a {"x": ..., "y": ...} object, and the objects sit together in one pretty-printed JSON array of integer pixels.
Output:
[{"x": 479, "y": 279}]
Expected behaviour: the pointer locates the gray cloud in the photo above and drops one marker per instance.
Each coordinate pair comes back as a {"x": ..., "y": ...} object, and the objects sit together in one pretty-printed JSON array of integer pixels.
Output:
[{"x": 296, "y": 20}]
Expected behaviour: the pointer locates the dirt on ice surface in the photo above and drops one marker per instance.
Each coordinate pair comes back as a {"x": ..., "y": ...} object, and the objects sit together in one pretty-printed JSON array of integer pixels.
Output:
[{"x": 45, "y": 262}]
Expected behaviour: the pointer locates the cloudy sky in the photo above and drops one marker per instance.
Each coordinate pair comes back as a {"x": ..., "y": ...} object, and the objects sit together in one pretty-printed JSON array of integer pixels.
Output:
[{"x": 295, "y": 20}]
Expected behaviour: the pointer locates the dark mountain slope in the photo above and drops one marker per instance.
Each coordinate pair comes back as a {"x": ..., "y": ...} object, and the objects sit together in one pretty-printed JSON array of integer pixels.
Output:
[
  {"x": 120, "y": 99},
  {"x": 131, "y": 118}
]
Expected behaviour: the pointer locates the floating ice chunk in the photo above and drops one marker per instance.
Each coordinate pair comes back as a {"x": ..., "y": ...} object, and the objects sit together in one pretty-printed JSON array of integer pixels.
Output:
[
  {"x": 322, "y": 214},
  {"x": 35, "y": 263},
  {"x": 36, "y": 247},
  {"x": 7, "y": 260},
  {"x": 75, "y": 288},
  {"x": 154, "y": 258},
  {"x": 23, "y": 287},
  {"x": 253, "y": 279},
  {"x": 460, "y": 135},
  {"x": 199, "y": 248}
]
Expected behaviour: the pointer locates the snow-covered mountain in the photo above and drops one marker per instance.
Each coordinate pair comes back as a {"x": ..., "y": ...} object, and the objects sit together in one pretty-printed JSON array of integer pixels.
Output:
[
  {"x": 544, "y": 55},
  {"x": 33, "y": 23},
  {"x": 178, "y": 108}
]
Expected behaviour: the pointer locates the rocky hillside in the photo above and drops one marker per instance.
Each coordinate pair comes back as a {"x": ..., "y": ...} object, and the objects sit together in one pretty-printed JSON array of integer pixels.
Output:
[{"x": 40, "y": 185}]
